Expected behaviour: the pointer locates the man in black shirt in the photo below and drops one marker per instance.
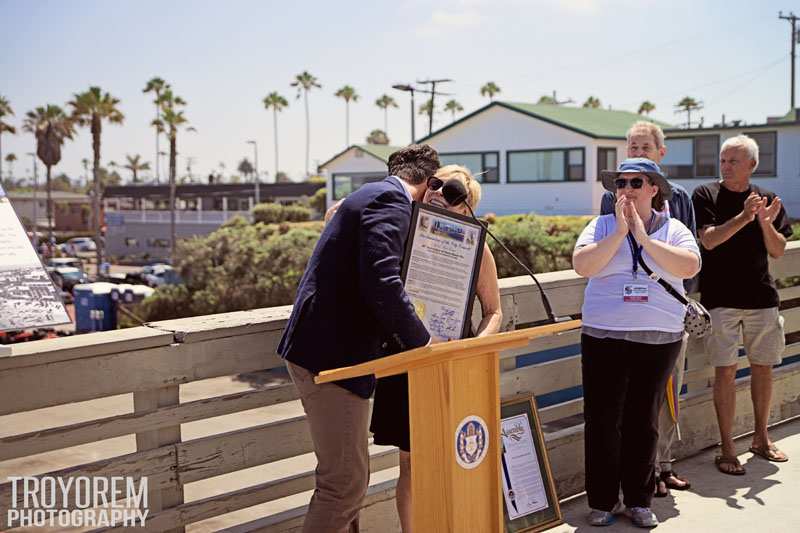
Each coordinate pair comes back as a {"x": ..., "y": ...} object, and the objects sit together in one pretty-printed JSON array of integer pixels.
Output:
[{"x": 740, "y": 226}]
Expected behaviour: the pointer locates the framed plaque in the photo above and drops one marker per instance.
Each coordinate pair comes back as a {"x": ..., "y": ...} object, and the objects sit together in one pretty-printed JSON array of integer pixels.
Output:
[
  {"x": 530, "y": 502},
  {"x": 440, "y": 269}
]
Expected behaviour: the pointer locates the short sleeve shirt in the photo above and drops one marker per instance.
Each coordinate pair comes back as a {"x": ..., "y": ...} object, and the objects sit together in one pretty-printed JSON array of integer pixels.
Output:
[
  {"x": 603, "y": 304},
  {"x": 736, "y": 273}
]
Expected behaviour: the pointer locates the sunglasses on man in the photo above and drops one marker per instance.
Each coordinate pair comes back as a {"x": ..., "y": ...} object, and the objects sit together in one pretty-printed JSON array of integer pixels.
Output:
[{"x": 621, "y": 183}]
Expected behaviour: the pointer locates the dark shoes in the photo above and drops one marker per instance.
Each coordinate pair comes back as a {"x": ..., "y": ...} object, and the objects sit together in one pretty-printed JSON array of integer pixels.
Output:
[{"x": 670, "y": 480}]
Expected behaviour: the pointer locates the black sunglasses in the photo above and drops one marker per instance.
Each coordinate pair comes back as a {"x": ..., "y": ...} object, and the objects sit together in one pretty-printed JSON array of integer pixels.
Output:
[
  {"x": 635, "y": 183},
  {"x": 435, "y": 183}
]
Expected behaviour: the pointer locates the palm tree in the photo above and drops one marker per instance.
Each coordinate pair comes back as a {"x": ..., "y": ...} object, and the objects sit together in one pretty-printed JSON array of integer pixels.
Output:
[
  {"x": 377, "y": 137},
  {"x": 51, "y": 125},
  {"x": 454, "y": 107},
  {"x": 348, "y": 94},
  {"x": 277, "y": 103},
  {"x": 490, "y": 89},
  {"x": 10, "y": 158},
  {"x": 385, "y": 102},
  {"x": 245, "y": 167},
  {"x": 5, "y": 109},
  {"x": 135, "y": 164},
  {"x": 646, "y": 108},
  {"x": 90, "y": 109},
  {"x": 304, "y": 83},
  {"x": 171, "y": 120},
  {"x": 687, "y": 105},
  {"x": 157, "y": 86},
  {"x": 592, "y": 102},
  {"x": 427, "y": 107}
]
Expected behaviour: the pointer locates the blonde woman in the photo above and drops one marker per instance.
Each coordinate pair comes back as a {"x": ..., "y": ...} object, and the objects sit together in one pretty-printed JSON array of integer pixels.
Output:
[{"x": 390, "y": 424}]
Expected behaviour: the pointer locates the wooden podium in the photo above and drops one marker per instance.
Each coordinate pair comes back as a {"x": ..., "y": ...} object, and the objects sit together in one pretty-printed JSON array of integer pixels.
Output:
[{"x": 455, "y": 475}]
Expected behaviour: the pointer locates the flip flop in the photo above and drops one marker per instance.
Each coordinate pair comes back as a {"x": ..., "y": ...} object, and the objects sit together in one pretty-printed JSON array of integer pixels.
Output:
[
  {"x": 770, "y": 453},
  {"x": 738, "y": 469}
]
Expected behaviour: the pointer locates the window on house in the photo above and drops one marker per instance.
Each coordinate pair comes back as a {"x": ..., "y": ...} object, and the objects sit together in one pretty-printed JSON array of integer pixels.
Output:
[
  {"x": 484, "y": 165},
  {"x": 767, "y": 142},
  {"x": 606, "y": 160},
  {"x": 546, "y": 165},
  {"x": 344, "y": 184},
  {"x": 158, "y": 243},
  {"x": 131, "y": 242},
  {"x": 679, "y": 161},
  {"x": 706, "y": 156},
  {"x": 692, "y": 157}
]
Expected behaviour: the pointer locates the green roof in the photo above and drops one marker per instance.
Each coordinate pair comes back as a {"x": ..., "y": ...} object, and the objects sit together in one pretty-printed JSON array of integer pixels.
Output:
[
  {"x": 381, "y": 151},
  {"x": 595, "y": 122}
]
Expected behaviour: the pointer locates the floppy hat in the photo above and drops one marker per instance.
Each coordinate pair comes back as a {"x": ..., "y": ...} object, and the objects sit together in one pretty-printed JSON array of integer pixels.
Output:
[{"x": 637, "y": 165}]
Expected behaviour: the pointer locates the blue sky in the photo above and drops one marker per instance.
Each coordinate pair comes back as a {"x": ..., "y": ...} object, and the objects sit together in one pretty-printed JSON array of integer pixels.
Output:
[{"x": 224, "y": 57}]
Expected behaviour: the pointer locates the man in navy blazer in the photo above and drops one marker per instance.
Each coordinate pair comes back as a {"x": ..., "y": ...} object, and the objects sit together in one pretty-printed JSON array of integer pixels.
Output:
[{"x": 351, "y": 307}]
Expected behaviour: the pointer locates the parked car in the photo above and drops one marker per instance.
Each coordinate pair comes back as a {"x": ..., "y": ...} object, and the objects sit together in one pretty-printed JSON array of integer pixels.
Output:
[
  {"x": 56, "y": 262},
  {"x": 159, "y": 275},
  {"x": 67, "y": 277},
  {"x": 78, "y": 245}
]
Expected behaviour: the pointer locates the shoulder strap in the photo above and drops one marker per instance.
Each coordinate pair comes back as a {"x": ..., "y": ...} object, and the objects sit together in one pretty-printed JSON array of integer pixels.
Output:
[{"x": 655, "y": 277}]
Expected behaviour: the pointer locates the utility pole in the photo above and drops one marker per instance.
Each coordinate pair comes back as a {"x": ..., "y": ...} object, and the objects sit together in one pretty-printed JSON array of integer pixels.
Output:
[
  {"x": 35, "y": 204},
  {"x": 795, "y": 38},
  {"x": 433, "y": 94},
  {"x": 556, "y": 102},
  {"x": 255, "y": 169}
]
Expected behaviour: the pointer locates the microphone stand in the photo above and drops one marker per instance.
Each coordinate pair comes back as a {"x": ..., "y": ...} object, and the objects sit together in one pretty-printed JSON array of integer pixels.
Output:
[{"x": 552, "y": 318}]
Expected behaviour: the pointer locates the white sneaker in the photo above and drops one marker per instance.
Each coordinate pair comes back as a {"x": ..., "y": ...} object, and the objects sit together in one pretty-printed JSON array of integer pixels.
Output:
[
  {"x": 642, "y": 517},
  {"x": 600, "y": 518}
]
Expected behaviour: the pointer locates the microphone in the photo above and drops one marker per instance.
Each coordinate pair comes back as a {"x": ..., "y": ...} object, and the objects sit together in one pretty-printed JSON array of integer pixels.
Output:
[{"x": 455, "y": 193}]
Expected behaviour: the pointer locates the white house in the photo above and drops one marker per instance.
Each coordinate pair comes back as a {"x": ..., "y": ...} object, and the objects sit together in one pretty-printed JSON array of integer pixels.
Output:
[{"x": 546, "y": 158}]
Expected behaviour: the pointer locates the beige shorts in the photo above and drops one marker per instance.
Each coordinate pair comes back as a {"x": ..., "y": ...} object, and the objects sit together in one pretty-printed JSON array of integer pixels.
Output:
[{"x": 761, "y": 330}]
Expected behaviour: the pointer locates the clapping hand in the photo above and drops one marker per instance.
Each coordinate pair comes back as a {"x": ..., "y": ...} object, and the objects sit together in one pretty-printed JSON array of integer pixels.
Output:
[
  {"x": 635, "y": 222},
  {"x": 619, "y": 211},
  {"x": 767, "y": 215},
  {"x": 752, "y": 205}
]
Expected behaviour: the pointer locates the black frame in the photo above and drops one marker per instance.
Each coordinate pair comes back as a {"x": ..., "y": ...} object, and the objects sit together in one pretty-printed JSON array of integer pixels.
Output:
[
  {"x": 483, "y": 162},
  {"x": 551, "y": 516},
  {"x": 566, "y": 151},
  {"x": 352, "y": 175},
  {"x": 761, "y": 174},
  {"x": 606, "y": 149},
  {"x": 476, "y": 267}
]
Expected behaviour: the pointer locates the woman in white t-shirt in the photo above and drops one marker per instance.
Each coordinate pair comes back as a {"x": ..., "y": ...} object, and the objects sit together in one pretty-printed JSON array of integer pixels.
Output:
[{"x": 632, "y": 332}]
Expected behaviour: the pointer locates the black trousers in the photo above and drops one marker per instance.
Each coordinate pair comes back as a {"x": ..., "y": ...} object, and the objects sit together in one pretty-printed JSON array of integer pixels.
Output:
[{"x": 624, "y": 385}]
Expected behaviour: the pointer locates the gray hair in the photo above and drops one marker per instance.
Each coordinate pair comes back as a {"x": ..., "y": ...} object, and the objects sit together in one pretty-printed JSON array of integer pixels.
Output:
[
  {"x": 742, "y": 142},
  {"x": 648, "y": 128}
]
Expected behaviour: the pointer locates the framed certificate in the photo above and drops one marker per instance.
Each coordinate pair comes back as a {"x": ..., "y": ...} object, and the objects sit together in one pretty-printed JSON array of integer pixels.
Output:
[
  {"x": 530, "y": 502},
  {"x": 440, "y": 269}
]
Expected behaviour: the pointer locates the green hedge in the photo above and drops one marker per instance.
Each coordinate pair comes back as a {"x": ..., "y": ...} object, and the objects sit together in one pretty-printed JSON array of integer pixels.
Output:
[
  {"x": 270, "y": 213},
  {"x": 247, "y": 266}
]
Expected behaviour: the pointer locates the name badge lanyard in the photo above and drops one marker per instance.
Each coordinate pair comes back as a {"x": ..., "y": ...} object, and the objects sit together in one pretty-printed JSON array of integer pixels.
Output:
[{"x": 636, "y": 251}]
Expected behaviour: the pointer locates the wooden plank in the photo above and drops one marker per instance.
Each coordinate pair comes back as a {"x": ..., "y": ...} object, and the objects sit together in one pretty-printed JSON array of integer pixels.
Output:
[
  {"x": 560, "y": 340},
  {"x": 791, "y": 319},
  {"x": 148, "y": 401},
  {"x": 789, "y": 293},
  {"x": 561, "y": 410},
  {"x": 83, "y": 346},
  {"x": 115, "y": 426},
  {"x": 203, "y": 328},
  {"x": 789, "y": 264},
  {"x": 706, "y": 374},
  {"x": 153, "y": 368},
  {"x": 229, "y": 502},
  {"x": 226, "y": 452},
  {"x": 543, "y": 377},
  {"x": 158, "y": 466}
]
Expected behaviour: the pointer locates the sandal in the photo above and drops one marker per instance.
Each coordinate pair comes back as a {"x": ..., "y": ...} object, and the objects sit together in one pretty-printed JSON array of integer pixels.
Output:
[
  {"x": 673, "y": 481},
  {"x": 770, "y": 453},
  {"x": 737, "y": 470}
]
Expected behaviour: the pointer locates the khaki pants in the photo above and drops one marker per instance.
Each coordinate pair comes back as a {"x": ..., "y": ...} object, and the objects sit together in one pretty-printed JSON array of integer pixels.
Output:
[
  {"x": 667, "y": 428},
  {"x": 338, "y": 420}
]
